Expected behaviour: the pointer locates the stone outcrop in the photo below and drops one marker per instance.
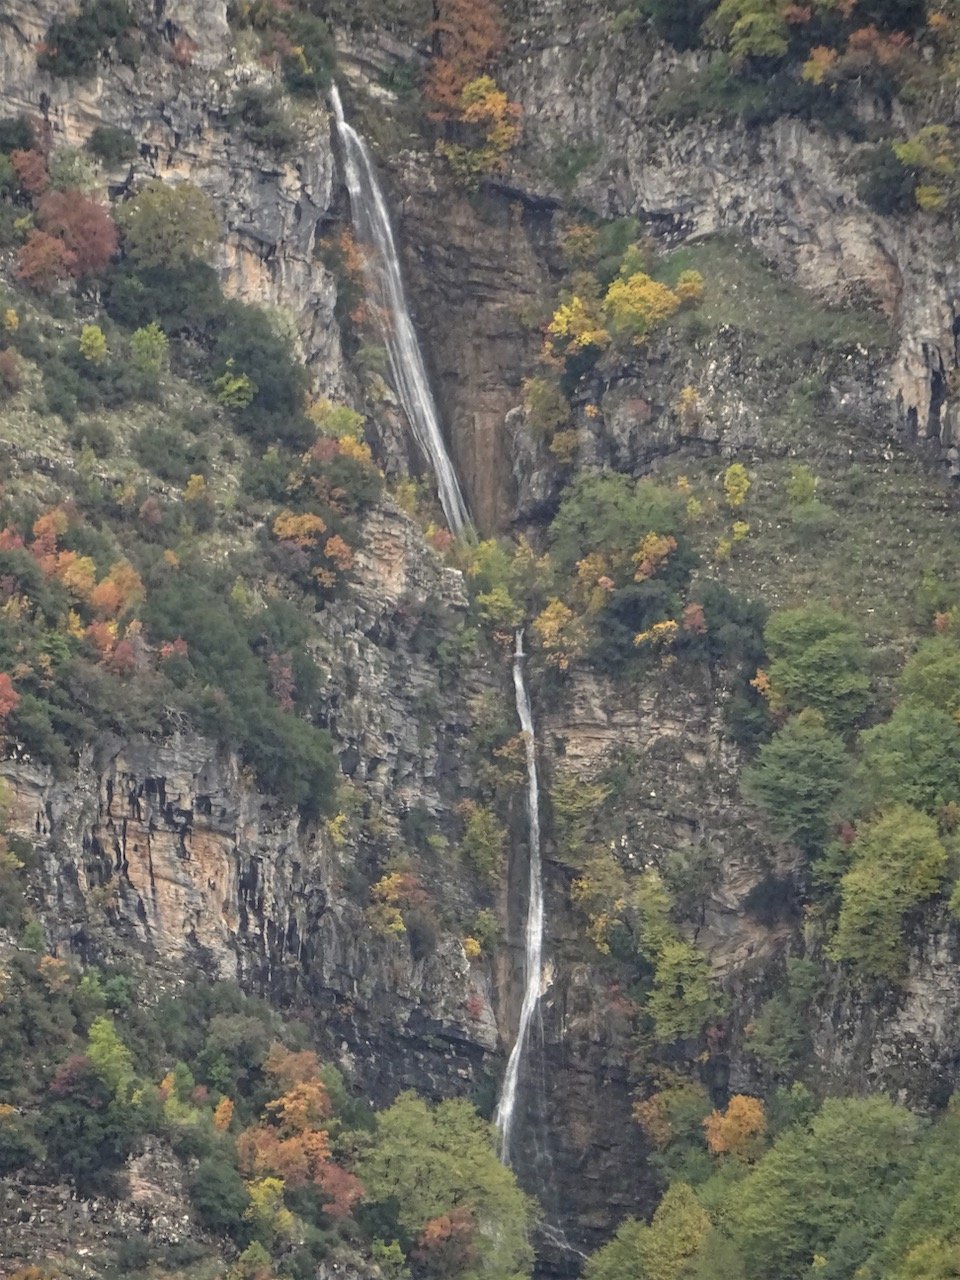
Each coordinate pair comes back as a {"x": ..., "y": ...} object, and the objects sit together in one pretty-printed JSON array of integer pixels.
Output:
[{"x": 786, "y": 187}]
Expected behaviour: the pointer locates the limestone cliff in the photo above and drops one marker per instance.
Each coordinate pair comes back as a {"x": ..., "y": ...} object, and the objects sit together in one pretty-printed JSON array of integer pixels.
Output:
[{"x": 164, "y": 851}]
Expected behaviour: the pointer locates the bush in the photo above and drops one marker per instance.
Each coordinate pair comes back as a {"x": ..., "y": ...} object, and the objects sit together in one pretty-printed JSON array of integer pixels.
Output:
[
  {"x": 249, "y": 345},
  {"x": 263, "y": 118},
  {"x": 886, "y": 184},
  {"x": 178, "y": 299},
  {"x": 112, "y": 145},
  {"x": 73, "y": 44},
  {"x": 678, "y": 21},
  {"x": 170, "y": 454},
  {"x": 16, "y": 134}
]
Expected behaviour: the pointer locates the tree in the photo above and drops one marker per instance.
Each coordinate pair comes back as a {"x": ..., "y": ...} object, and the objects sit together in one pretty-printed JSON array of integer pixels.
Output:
[
  {"x": 84, "y": 226},
  {"x": 168, "y": 226},
  {"x": 752, "y": 28},
  {"x": 429, "y": 1162},
  {"x": 913, "y": 759},
  {"x": 108, "y": 1055},
  {"x": 661, "y": 1251},
  {"x": 93, "y": 344},
  {"x": 819, "y": 661},
  {"x": 149, "y": 350},
  {"x": 739, "y": 1130},
  {"x": 841, "y": 1171},
  {"x": 796, "y": 778},
  {"x": 43, "y": 261},
  {"x": 681, "y": 1001},
  {"x": 637, "y": 305},
  {"x": 899, "y": 862},
  {"x": 932, "y": 675},
  {"x": 466, "y": 36},
  {"x": 218, "y": 1195}
]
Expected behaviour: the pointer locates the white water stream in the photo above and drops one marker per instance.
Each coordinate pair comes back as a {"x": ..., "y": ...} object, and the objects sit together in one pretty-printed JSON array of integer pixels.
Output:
[
  {"x": 533, "y": 950},
  {"x": 385, "y": 282},
  {"x": 382, "y": 272}
]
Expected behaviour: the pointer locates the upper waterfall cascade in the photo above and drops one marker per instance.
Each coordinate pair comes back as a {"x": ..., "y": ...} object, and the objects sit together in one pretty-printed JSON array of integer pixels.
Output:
[{"x": 385, "y": 282}]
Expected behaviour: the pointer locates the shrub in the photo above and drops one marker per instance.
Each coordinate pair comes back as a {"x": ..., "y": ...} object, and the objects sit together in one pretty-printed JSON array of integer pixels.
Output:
[
  {"x": 16, "y": 134},
  {"x": 112, "y": 145},
  {"x": 10, "y": 377},
  {"x": 248, "y": 346},
  {"x": 178, "y": 299},
  {"x": 263, "y": 118},
  {"x": 308, "y": 68},
  {"x": 73, "y": 44},
  {"x": 886, "y": 184}
]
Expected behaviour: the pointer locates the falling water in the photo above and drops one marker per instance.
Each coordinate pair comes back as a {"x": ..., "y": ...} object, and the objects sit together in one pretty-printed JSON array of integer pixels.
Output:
[
  {"x": 533, "y": 952},
  {"x": 382, "y": 268},
  {"x": 382, "y": 272}
]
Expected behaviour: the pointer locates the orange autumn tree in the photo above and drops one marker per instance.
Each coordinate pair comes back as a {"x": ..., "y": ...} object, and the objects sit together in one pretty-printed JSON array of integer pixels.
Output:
[
  {"x": 467, "y": 35},
  {"x": 738, "y": 1131},
  {"x": 291, "y": 1142}
]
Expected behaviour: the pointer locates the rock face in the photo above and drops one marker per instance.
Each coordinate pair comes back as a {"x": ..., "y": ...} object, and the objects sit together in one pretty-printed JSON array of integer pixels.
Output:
[
  {"x": 165, "y": 853},
  {"x": 175, "y": 104},
  {"x": 168, "y": 850},
  {"x": 786, "y": 187}
]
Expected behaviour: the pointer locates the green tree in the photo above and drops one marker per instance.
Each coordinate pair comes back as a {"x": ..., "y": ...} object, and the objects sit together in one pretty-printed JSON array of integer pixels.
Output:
[
  {"x": 819, "y": 661},
  {"x": 433, "y": 1161},
  {"x": 218, "y": 1195},
  {"x": 681, "y": 1001},
  {"x": 922, "y": 1241},
  {"x": 109, "y": 1056},
  {"x": 168, "y": 226},
  {"x": 899, "y": 861},
  {"x": 149, "y": 350},
  {"x": 796, "y": 778},
  {"x": 661, "y": 1251},
  {"x": 913, "y": 759},
  {"x": 842, "y": 1171},
  {"x": 483, "y": 842},
  {"x": 93, "y": 344},
  {"x": 932, "y": 675}
]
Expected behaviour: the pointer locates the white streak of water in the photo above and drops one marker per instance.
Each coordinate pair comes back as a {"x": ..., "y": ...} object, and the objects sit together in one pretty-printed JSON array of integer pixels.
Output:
[
  {"x": 385, "y": 283},
  {"x": 533, "y": 950}
]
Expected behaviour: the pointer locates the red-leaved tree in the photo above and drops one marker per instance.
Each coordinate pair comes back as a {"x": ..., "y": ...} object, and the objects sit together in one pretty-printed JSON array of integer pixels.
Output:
[
  {"x": 85, "y": 228},
  {"x": 43, "y": 261}
]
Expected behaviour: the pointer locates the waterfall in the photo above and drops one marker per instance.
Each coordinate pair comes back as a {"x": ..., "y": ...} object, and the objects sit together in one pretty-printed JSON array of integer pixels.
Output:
[
  {"x": 382, "y": 271},
  {"x": 533, "y": 951},
  {"x": 385, "y": 283}
]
